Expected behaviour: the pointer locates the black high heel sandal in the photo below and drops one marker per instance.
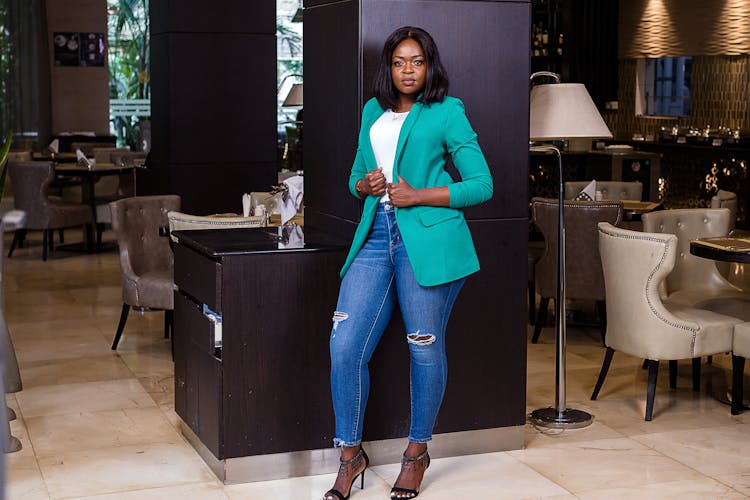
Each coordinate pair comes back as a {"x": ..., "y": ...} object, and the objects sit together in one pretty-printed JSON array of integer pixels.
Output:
[
  {"x": 343, "y": 466},
  {"x": 423, "y": 461}
]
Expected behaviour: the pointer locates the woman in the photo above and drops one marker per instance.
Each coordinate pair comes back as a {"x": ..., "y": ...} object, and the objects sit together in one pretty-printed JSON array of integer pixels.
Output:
[{"x": 412, "y": 246}]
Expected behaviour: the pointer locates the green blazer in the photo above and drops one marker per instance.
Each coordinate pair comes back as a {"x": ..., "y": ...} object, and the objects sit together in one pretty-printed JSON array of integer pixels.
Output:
[{"x": 437, "y": 239}]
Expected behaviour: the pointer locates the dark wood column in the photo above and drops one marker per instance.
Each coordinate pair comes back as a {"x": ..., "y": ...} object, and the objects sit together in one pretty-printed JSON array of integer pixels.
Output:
[
  {"x": 485, "y": 48},
  {"x": 213, "y": 106}
]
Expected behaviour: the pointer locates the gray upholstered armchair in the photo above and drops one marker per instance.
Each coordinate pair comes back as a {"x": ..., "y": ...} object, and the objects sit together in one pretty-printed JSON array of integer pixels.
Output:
[
  {"x": 583, "y": 270},
  {"x": 30, "y": 182},
  {"x": 146, "y": 260}
]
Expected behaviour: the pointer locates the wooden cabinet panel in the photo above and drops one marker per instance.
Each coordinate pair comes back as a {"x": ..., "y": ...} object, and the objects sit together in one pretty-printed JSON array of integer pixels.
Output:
[{"x": 198, "y": 277}]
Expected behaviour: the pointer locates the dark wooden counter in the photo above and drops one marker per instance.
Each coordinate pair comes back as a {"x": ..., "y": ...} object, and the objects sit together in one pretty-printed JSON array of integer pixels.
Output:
[{"x": 265, "y": 392}]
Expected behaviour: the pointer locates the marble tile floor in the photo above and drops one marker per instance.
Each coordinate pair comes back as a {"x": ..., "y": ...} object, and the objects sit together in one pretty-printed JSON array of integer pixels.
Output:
[{"x": 98, "y": 424}]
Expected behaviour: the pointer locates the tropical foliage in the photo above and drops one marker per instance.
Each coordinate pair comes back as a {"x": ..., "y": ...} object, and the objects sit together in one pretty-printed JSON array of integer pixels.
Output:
[
  {"x": 3, "y": 161},
  {"x": 289, "y": 56},
  {"x": 129, "y": 61},
  {"x": 7, "y": 63}
]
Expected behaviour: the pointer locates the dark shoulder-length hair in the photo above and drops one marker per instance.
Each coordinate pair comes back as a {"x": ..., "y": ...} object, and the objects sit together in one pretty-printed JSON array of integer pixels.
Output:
[{"x": 436, "y": 81}]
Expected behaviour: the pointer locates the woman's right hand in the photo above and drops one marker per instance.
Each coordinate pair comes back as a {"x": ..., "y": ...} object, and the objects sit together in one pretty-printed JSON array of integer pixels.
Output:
[{"x": 374, "y": 182}]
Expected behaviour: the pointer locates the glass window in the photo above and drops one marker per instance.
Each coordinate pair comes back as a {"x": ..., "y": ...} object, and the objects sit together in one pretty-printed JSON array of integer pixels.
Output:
[
  {"x": 289, "y": 54},
  {"x": 663, "y": 86},
  {"x": 129, "y": 72}
]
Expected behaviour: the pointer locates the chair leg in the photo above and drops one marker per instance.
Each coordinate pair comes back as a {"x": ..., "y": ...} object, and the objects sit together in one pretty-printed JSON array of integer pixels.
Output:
[
  {"x": 697, "y": 374},
  {"x": 51, "y": 239},
  {"x": 673, "y": 374},
  {"x": 541, "y": 319},
  {"x": 99, "y": 231},
  {"x": 532, "y": 302},
  {"x": 710, "y": 360},
  {"x": 738, "y": 379},
  {"x": 16, "y": 241},
  {"x": 121, "y": 325},
  {"x": 61, "y": 234},
  {"x": 168, "y": 323},
  {"x": 601, "y": 308},
  {"x": 45, "y": 236},
  {"x": 653, "y": 372},
  {"x": 603, "y": 373}
]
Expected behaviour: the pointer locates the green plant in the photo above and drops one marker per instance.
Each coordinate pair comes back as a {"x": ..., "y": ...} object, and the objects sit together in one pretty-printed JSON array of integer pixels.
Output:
[
  {"x": 4, "y": 161},
  {"x": 129, "y": 61}
]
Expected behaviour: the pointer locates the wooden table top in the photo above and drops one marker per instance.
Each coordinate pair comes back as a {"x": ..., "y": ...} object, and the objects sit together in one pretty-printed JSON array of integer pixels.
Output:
[
  {"x": 100, "y": 168},
  {"x": 727, "y": 249}
]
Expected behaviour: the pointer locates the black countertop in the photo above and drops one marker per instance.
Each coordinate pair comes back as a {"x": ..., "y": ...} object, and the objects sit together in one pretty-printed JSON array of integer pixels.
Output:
[{"x": 217, "y": 243}]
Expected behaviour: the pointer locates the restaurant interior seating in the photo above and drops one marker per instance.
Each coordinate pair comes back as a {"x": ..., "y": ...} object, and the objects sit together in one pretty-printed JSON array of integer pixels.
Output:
[
  {"x": 583, "y": 271},
  {"x": 695, "y": 281},
  {"x": 726, "y": 199},
  {"x": 736, "y": 273},
  {"x": 611, "y": 190},
  {"x": 146, "y": 259},
  {"x": 639, "y": 323},
  {"x": 31, "y": 181},
  {"x": 7, "y": 195},
  {"x": 107, "y": 188}
]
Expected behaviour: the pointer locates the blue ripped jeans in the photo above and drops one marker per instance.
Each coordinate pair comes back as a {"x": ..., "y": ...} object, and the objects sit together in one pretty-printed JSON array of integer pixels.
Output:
[{"x": 381, "y": 276}]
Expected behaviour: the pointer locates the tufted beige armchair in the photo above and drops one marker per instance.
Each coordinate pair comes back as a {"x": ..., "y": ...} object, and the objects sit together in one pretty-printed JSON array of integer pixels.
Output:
[
  {"x": 695, "y": 281},
  {"x": 638, "y": 322},
  {"x": 726, "y": 199},
  {"x": 146, "y": 260},
  {"x": 611, "y": 190}
]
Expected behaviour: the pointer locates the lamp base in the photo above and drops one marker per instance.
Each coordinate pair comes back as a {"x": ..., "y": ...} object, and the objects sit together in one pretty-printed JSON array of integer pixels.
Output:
[{"x": 569, "y": 418}]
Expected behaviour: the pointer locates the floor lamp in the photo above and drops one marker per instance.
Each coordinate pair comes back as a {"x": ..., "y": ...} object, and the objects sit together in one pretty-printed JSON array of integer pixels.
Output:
[{"x": 562, "y": 111}]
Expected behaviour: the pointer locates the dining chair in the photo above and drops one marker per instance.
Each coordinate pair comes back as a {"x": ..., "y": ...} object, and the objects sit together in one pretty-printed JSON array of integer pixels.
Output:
[
  {"x": 639, "y": 322},
  {"x": 695, "y": 281},
  {"x": 146, "y": 259},
  {"x": 737, "y": 274},
  {"x": 611, "y": 190},
  {"x": 30, "y": 185},
  {"x": 7, "y": 196},
  {"x": 87, "y": 148},
  {"x": 107, "y": 188},
  {"x": 583, "y": 270},
  {"x": 726, "y": 199},
  {"x": 740, "y": 351}
]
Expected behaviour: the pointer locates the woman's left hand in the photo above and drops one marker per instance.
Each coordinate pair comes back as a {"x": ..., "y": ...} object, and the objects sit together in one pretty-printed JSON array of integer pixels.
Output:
[{"x": 402, "y": 194}]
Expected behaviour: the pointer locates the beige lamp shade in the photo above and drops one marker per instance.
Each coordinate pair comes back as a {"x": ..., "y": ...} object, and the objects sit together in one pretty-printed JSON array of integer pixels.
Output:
[
  {"x": 294, "y": 98},
  {"x": 564, "y": 111}
]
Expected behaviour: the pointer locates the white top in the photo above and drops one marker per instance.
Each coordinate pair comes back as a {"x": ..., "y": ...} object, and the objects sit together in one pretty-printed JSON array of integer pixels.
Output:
[{"x": 384, "y": 139}]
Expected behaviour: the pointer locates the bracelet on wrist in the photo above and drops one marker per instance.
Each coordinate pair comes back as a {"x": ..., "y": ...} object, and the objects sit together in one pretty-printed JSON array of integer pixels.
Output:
[{"x": 357, "y": 187}]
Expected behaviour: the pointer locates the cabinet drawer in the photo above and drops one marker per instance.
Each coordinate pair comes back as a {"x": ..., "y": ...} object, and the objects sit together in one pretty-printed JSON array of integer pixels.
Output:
[
  {"x": 192, "y": 326},
  {"x": 198, "y": 276}
]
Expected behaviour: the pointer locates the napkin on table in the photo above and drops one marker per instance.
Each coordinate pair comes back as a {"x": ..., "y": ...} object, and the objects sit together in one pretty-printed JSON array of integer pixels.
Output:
[
  {"x": 82, "y": 160},
  {"x": 292, "y": 201}
]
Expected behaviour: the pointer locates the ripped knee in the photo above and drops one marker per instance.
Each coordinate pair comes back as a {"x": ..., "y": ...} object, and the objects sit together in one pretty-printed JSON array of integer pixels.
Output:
[
  {"x": 338, "y": 317},
  {"x": 420, "y": 339}
]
